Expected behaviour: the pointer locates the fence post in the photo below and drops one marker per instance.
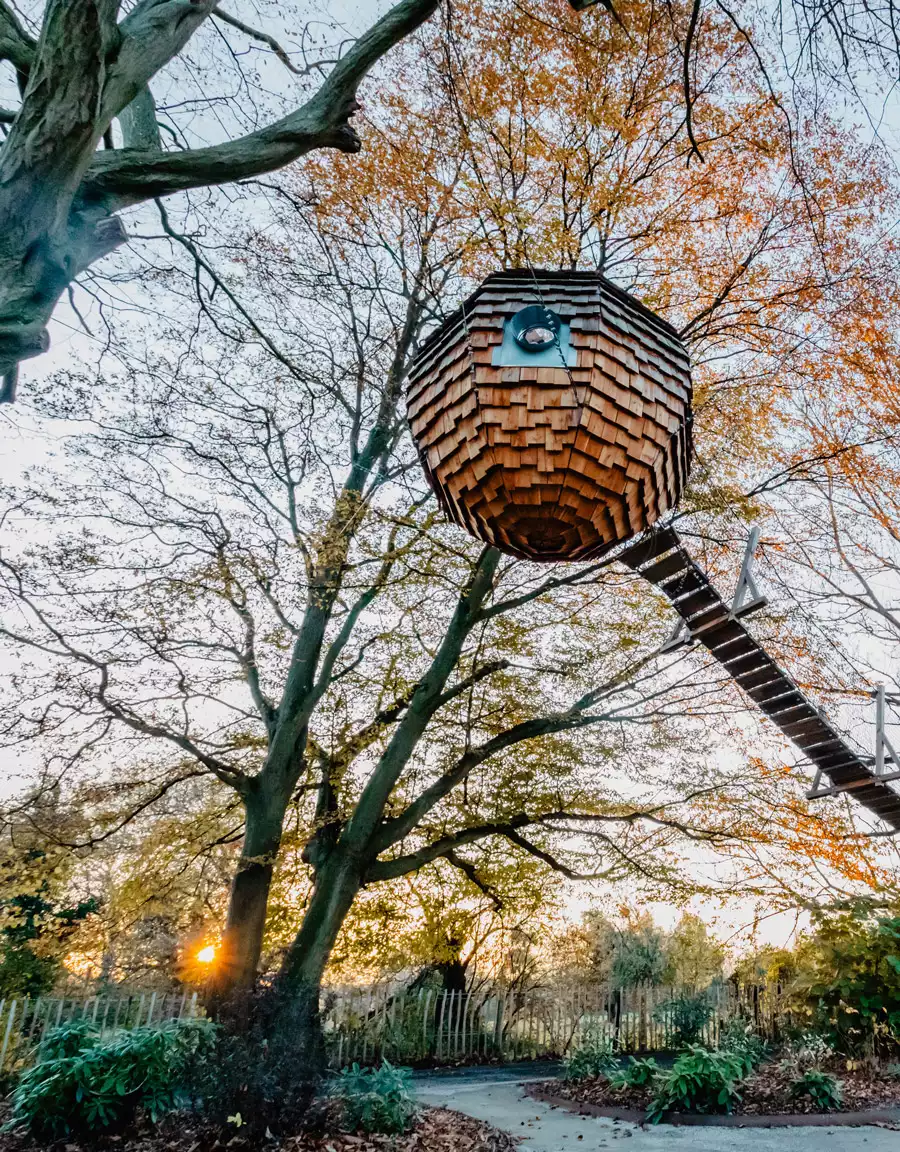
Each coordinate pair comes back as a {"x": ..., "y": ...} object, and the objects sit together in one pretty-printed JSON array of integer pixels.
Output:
[{"x": 6, "y": 1035}]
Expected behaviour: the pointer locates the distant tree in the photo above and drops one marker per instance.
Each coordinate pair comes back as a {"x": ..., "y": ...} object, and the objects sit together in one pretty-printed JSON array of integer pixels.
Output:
[
  {"x": 767, "y": 965},
  {"x": 849, "y": 977},
  {"x": 621, "y": 953},
  {"x": 445, "y": 925},
  {"x": 693, "y": 956},
  {"x": 38, "y": 914}
]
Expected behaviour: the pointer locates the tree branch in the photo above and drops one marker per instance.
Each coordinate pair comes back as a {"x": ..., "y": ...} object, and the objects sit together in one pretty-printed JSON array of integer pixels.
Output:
[
  {"x": 480, "y": 673},
  {"x": 471, "y": 873},
  {"x": 138, "y": 123},
  {"x": 121, "y": 178},
  {"x": 262, "y": 37},
  {"x": 380, "y": 870},
  {"x": 16, "y": 45},
  {"x": 152, "y": 34}
]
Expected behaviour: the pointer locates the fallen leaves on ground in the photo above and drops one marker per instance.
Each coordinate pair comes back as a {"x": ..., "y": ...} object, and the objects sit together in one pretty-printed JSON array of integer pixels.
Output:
[{"x": 435, "y": 1130}]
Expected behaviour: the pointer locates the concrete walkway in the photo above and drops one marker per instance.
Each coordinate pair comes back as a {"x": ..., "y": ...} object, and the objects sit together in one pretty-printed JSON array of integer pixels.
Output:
[{"x": 544, "y": 1129}]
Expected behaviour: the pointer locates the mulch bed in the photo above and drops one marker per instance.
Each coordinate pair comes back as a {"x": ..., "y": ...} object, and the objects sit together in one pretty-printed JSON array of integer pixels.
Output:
[
  {"x": 868, "y": 1098},
  {"x": 435, "y": 1130},
  {"x": 764, "y": 1094}
]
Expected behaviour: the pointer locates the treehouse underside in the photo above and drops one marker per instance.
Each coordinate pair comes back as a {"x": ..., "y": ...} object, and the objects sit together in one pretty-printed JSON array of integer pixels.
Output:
[{"x": 561, "y": 455}]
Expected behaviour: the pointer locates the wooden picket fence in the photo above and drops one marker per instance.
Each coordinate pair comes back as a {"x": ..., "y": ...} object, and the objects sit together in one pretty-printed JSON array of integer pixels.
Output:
[
  {"x": 24, "y": 1021},
  {"x": 366, "y": 1024},
  {"x": 427, "y": 1026}
]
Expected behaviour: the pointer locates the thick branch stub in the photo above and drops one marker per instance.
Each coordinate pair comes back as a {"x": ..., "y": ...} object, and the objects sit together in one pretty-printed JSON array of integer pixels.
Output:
[
  {"x": 32, "y": 288},
  {"x": 16, "y": 45}
]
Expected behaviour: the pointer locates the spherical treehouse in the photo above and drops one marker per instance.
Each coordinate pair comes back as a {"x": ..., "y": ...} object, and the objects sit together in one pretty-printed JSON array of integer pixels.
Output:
[{"x": 552, "y": 414}]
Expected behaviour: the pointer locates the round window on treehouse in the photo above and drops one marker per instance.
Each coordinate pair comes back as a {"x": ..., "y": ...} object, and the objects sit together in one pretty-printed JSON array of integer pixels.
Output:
[{"x": 536, "y": 328}]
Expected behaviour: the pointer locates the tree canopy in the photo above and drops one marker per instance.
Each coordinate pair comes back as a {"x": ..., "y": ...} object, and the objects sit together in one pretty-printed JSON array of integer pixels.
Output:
[{"x": 241, "y": 630}]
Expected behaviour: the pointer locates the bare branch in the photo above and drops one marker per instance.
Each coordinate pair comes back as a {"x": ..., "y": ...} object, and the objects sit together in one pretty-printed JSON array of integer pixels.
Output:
[
  {"x": 263, "y": 38},
  {"x": 121, "y": 178}
]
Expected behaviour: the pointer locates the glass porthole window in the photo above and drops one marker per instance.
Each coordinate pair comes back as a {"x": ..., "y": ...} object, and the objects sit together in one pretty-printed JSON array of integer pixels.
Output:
[{"x": 536, "y": 328}]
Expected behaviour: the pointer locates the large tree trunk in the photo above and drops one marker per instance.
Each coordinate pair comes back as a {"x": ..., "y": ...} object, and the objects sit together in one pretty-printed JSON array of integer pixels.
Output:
[
  {"x": 336, "y": 886},
  {"x": 239, "y": 953},
  {"x": 453, "y": 975},
  {"x": 337, "y": 883}
]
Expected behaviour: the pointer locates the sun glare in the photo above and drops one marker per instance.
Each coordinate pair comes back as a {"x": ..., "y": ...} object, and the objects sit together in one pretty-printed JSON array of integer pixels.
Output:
[{"x": 207, "y": 955}]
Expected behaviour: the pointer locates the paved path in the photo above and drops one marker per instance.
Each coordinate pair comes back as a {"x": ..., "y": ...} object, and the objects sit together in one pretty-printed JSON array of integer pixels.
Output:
[{"x": 503, "y": 1104}]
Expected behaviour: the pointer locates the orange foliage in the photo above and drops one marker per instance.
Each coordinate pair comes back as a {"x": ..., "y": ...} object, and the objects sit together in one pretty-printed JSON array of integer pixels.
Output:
[{"x": 526, "y": 134}]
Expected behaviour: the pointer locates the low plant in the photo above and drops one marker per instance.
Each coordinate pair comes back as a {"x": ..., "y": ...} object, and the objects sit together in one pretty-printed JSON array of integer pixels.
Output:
[
  {"x": 825, "y": 1091},
  {"x": 83, "y": 1083},
  {"x": 699, "y": 1081},
  {"x": 684, "y": 1018},
  {"x": 637, "y": 1073},
  {"x": 376, "y": 1099},
  {"x": 594, "y": 1056},
  {"x": 807, "y": 1052},
  {"x": 740, "y": 1040}
]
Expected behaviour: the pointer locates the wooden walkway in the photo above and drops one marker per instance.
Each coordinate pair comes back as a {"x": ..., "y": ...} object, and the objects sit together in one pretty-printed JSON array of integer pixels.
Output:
[{"x": 662, "y": 559}]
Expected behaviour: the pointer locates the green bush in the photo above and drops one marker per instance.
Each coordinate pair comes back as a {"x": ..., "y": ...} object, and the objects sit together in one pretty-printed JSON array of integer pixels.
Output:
[
  {"x": 376, "y": 1099},
  {"x": 699, "y": 1081},
  {"x": 637, "y": 1073},
  {"x": 850, "y": 981},
  {"x": 739, "y": 1039},
  {"x": 593, "y": 1057},
  {"x": 685, "y": 1018},
  {"x": 821, "y": 1087},
  {"x": 266, "y": 1065},
  {"x": 81, "y": 1083}
]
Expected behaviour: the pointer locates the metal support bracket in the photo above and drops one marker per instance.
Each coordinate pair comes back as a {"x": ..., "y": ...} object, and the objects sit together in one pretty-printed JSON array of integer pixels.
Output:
[
  {"x": 885, "y": 761},
  {"x": 817, "y": 792},
  {"x": 681, "y": 638},
  {"x": 884, "y": 751},
  {"x": 746, "y": 585}
]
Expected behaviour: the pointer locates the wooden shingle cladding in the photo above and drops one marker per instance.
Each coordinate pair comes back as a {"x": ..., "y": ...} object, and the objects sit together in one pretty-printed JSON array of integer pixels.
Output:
[
  {"x": 554, "y": 463},
  {"x": 662, "y": 559}
]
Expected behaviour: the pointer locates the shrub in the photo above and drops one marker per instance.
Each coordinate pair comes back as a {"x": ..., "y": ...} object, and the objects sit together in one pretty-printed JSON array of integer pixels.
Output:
[
  {"x": 821, "y": 1087},
  {"x": 685, "y": 1018},
  {"x": 739, "y": 1039},
  {"x": 699, "y": 1081},
  {"x": 82, "y": 1083},
  {"x": 851, "y": 981},
  {"x": 376, "y": 1099},
  {"x": 593, "y": 1057},
  {"x": 637, "y": 1073},
  {"x": 266, "y": 1065},
  {"x": 808, "y": 1051}
]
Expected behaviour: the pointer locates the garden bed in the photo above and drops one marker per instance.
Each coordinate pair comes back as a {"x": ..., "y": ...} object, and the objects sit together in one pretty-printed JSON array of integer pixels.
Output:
[
  {"x": 867, "y": 1098},
  {"x": 435, "y": 1130}
]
